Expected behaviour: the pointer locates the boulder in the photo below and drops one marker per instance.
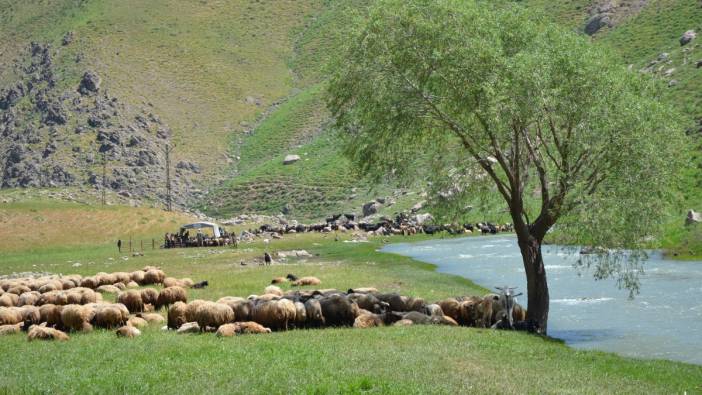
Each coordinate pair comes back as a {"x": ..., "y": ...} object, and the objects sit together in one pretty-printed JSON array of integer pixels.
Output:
[
  {"x": 693, "y": 217},
  {"x": 421, "y": 219},
  {"x": 370, "y": 208},
  {"x": 90, "y": 83},
  {"x": 290, "y": 159},
  {"x": 699, "y": 63},
  {"x": 687, "y": 37}
]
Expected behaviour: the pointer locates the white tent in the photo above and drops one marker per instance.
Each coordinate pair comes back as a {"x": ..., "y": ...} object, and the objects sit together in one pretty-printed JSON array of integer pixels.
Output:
[{"x": 200, "y": 225}]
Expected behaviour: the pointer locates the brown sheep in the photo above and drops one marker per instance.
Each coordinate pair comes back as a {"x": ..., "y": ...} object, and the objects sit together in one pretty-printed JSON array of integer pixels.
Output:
[
  {"x": 120, "y": 286},
  {"x": 132, "y": 284},
  {"x": 192, "y": 309},
  {"x": 248, "y": 327},
  {"x": 211, "y": 314},
  {"x": 137, "y": 322},
  {"x": 137, "y": 276},
  {"x": 306, "y": 281},
  {"x": 110, "y": 316},
  {"x": 149, "y": 296},
  {"x": 77, "y": 317},
  {"x": 40, "y": 332},
  {"x": 28, "y": 298},
  {"x": 433, "y": 310},
  {"x": 170, "y": 295},
  {"x": 152, "y": 317},
  {"x": 187, "y": 282},
  {"x": 8, "y": 299},
  {"x": 315, "y": 318},
  {"x": 122, "y": 277},
  {"x": 226, "y": 330},
  {"x": 171, "y": 282},
  {"x": 154, "y": 276},
  {"x": 468, "y": 311},
  {"x": 82, "y": 295},
  {"x": 177, "y": 315},
  {"x": 132, "y": 300},
  {"x": 51, "y": 314},
  {"x": 415, "y": 304},
  {"x": 30, "y": 314},
  {"x": 19, "y": 290},
  {"x": 242, "y": 307},
  {"x": 10, "y": 315},
  {"x": 273, "y": 290},
  {"x": 279, "y": 280},
  {"x": 128, "y": 331},
  {"x": 300, "y": 315},
  {"x": 275, "y": 314},
  {"x": 367, "y": 321},
  {"x": 450, "y": 307},
  {"x": 519, "y": 313},
  {"x": 90, "y": 282},
  {"x": 10, "y": 329},
  {"x": 105, "y": 279},
  {"x": 54, "y": 285},
  {"x": 403, "y": 322}
]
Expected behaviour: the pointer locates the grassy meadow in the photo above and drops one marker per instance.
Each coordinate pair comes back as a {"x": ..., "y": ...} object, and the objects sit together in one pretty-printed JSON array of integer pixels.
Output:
[{"x": 380, "y": 360}]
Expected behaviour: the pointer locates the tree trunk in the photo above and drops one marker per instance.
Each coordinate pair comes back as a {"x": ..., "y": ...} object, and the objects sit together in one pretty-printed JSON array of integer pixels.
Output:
[{"x": 537, "y": 287}]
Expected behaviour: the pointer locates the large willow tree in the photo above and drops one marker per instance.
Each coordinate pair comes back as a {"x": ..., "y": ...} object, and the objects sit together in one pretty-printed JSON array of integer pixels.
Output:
[{"x": 479, "y": 93}]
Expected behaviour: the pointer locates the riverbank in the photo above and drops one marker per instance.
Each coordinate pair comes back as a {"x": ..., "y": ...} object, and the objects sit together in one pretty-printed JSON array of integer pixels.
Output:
[{"x": 382, "y": 360}]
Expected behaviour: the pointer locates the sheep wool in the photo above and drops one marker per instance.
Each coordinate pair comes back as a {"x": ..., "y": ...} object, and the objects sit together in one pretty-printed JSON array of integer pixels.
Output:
[
  {"x": 177, "y": 315},
  {"x": 367, "y": 321},
  {"x": 307, "y": 281},
  {"x": 128, "y": 331},
  {"x": 132, "y": 300},
  {"x": 76, "y": 317},
  {"x": 170, "y": 295},
  {"x": 10, "y": 315},
  {"x": 189, "y": 327},
  {"x": 273, "y": 290},
  {"x": 211, "y": 314},
  {"x": 149, "y": 296},
  {"x": 40, "y": 332},
  {"x": 152, "y": 318},
  {"x": 10, "y": 329},
  {"x": 8, "y": 299}
]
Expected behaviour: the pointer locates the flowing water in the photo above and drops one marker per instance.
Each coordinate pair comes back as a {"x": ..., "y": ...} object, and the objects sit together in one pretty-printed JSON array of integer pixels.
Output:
[{"x": 663, "y": 321}]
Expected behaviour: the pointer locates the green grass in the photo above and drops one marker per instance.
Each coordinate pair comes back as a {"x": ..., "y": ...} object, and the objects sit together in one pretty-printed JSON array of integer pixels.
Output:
[{"x": 381, "y": 360}]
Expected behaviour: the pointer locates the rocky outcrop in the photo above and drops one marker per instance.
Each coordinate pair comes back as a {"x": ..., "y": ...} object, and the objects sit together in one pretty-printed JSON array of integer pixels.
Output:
[
  {"x": 610, "y": 13},
  {"x": 290, "y": 159},
  {"x": 687, "y": 37},
  {"x": 52, "y": 137},
  {"x": 693, "y": 217}
]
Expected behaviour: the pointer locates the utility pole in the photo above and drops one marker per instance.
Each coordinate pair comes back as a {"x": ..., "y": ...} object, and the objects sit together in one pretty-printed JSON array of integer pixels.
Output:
[
  {"x": 104, "y": 177},
  {"x": 169, "y": 206}
]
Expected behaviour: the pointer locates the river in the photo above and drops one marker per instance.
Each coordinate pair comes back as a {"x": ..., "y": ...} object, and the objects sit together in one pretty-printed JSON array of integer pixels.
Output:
[{"x": 663, "y": 321}]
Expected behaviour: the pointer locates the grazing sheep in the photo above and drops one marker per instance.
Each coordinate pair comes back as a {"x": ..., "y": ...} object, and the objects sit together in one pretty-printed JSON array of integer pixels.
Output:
[
  {"x": 90, "y": 282},
  {"x": 152, "y": 318},
  {"x": 226, "y": 330},
  {"x": 28, "y": 298},
  {"x": 110, "y": 316},
  {"x": 242, "y": 307},
  {"x": 315, "y": 318},
  {"x": 53, "y": 297},
  {"x": 273, "y": 290},
  {"x": 153, "y": 276},
  {"x": 122, "y": 277},
  {"x": 120, "y": 286},
  {"x": 177, "y": 315},
  {"x": 137, "y": 276},
  {"x": 137, "y": 322},
  {"x": 10, "y": 315},
  {"x": 369, "y": 320},
  {"x": 306, "y": 281},
  {"x": 18, "y": 289},
  {"x": 211, "y": 314},
  {"x": 450, "y": 307},
  {"x": 105, "y": 279},
  {"x": 68, "y": 283},
  {"x": 187, "y": 282},
  {"x": 51, "y": 286},
  {"x": 422, "y": 319},
  {"x": 108, "y": 289},
  {"x": 81, "y": 295},
  {"x": 128, "y": 331},
  {"x": 275, "y": 314},
  {"x": 40, "y": 332},
  {"x": 300, "y": 315},
  {"x": 8, "y": 299},
  {"x": 396, "y": 302},
  {"x": 192, "y": 309},
  {"x": 170, "y": 295},
  {"x": 338, "y": 310},
  {"x": 132, "y": 299},
  {"x": 132, "y": 284},
  {"x": 189, "y": 327},
  {"x": 51, "y": 314},
  {"x": 469, "y": 313},
  {"x": 279, "y": 280},
  {"x": 149, "y": 296},
  {"x": 369, "y": 302},
  {"x": 30, "y": 315},
  {"x": 171, "y": 282},
  {"x": 415, "y": 304},
  {"x": 10, "y": 329},
  {"x": 77, "y": 317}
]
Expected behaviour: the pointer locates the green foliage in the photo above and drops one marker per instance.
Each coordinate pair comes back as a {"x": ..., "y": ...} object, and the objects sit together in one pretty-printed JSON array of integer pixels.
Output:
[{"x": 500, "y": 96}]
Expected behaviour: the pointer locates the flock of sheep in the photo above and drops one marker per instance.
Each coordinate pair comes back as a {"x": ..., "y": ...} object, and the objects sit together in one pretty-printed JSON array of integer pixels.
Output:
[{"x": 48, "y": 307}]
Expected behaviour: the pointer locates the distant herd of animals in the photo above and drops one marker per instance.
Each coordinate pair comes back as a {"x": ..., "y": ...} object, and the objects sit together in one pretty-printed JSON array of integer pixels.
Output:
[
  {"x": 50, "y": 307},
  {"x": 401, "y": 225}
]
